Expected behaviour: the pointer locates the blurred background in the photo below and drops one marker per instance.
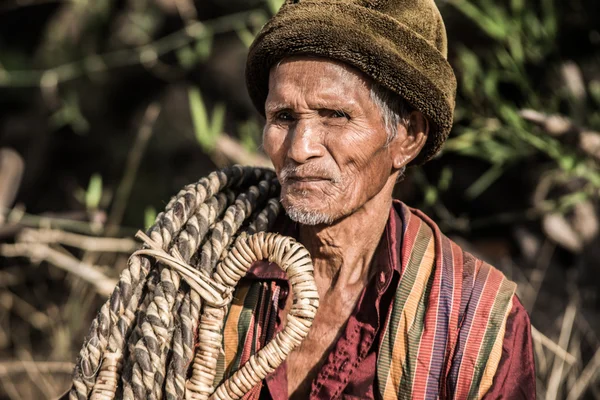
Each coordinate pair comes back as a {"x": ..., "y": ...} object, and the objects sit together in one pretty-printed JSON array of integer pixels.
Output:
[{"x": 109, "y": 107}]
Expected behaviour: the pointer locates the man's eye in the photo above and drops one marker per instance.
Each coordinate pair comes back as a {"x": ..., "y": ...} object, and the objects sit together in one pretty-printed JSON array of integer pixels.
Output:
[
  {"x": 284, "y": 116},
  {"x": 338, "y": 114}
]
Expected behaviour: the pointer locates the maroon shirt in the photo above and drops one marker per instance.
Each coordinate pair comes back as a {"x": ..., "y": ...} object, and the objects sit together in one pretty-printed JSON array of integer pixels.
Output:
[{"x": 349, "y": 371}]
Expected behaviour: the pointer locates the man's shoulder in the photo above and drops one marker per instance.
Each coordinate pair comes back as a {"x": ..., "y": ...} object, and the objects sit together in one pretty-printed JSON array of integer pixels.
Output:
[
  {"x": 471, "y": 304},
  {"x": 467, "y": 271}
]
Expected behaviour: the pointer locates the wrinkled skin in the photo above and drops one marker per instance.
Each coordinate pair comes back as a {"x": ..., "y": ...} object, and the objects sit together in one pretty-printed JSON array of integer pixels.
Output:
[
  {"x": 325, "y": 138},
  {"x": 327, "y": 141}
]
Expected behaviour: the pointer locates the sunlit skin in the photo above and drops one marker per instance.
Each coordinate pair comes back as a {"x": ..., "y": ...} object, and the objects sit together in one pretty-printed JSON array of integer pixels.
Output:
[{"x": 327, "y": 141}]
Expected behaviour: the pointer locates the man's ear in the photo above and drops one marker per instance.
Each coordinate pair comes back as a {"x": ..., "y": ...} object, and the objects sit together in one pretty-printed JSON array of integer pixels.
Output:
[{"x": 409, "y": 142}]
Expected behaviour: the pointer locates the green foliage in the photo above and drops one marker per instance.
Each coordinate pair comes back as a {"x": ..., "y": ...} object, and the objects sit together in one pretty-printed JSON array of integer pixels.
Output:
[
  {"x": 69, "y": 114},
  {"x": 445, "y": 179},
  {"x": 196, "y": 52},
  {"x": 149, "y": 216},
  {"x": 484, "y": 181},
  {"x": 274, "y": 5},
  {"x": 432, "y": 192},
  {"x": 250, "y": 133},
  {"x": 247, "y": 31},
  {"x": 94, "y": 192},
  {"x": 93, "y": 195},
  {"x": 244, "y": 34},
  {"x": 496, "y": 82},
  {"x": 207, "y": 129}
]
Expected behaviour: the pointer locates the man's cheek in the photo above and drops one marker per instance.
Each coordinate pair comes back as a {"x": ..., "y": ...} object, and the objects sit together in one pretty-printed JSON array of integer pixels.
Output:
[{"x": 273, "y": 145}]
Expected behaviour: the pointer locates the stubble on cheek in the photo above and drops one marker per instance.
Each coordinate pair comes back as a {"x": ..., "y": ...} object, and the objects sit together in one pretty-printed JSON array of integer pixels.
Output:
[
  {"x": 301, "y": 206},
  {"x": 315, "y": 206}
]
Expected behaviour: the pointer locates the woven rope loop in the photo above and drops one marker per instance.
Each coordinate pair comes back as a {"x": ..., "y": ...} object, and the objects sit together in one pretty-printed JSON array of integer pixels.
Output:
[
  {"x": 153, "y": 329},
  {"x": 293, "y": 259}
]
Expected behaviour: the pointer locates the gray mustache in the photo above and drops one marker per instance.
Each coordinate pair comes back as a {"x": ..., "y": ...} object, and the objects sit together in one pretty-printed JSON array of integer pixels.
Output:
[{"x": 290, "y": 171}]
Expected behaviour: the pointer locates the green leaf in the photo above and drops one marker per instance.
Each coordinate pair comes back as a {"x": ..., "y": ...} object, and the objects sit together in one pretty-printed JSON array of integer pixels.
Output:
[
  {"x": 549, "y": 18},
  {"x": 250, "y": 134},
  {"x": 567, "y": 162},
  {"x": 510, "y": 115},
  {"x": 69, "y": 114},
  {"x": 517, "y": 6},
  {"x": 516, "y": 49},
  {"x": 274, "y": 5},
  {"x": 568, "y": 201},
  {"x": 186, "y": 57},
  {"x": 200, "y": 119},
  {"x": 486, "y": 22},
  {"x": 490, "y": 85},
  {"x": 431, "y": 195},
  {"x": 207, "y": 131},
  {"x": 217, "y": 122},
  {"x": 149, "y": 217},
  {"x": 203, "y": 46},
  {"x": 484, "y": 181},
  {"x": 244, "y": 34},
  {"x": 257, "y": 21},
  {"x": 445, "y": 179},
  {"x": 190, "y": 56},
  {"x": 532, "y": 26},
  {"x": 79, "y": 195},
  {"x": 470, "y": 68},
  {"x": 94, "y": 192}
]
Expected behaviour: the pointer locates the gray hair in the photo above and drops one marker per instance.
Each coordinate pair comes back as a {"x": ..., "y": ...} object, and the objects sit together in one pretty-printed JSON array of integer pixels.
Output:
[{"x": 394, "y": 111}]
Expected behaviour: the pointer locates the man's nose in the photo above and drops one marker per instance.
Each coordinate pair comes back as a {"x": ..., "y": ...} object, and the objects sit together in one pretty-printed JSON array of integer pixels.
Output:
[{"x": 305, "y": 141}]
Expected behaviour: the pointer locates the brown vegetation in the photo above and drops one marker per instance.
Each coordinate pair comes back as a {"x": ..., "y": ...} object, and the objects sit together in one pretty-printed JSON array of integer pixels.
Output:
[{"x": 109, "y": 107}]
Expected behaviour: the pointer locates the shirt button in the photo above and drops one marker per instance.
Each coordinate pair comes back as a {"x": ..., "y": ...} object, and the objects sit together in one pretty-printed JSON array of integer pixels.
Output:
[{"x": 382, "y": 277}]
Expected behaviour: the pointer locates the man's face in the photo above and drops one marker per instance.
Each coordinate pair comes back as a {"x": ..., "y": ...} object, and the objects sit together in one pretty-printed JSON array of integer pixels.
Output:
[{"x": 326, "y": 139}]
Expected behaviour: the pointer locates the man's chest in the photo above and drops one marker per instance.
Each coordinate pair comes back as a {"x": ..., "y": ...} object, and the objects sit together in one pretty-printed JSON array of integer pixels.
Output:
[
  {"x": 305, "y": 362},
  {"x": 336, "y": 360}
]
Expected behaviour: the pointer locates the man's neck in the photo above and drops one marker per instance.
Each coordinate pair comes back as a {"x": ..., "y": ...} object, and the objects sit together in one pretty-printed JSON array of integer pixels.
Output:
[{"x": 342, "y": 252}]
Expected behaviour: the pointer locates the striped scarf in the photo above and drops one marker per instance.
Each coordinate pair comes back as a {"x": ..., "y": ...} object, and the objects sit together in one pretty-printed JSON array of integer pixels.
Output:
[{"x": 442, "y": 337}]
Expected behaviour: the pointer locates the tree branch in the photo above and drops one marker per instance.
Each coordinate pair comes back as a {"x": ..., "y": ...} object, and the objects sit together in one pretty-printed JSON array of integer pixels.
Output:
[
  {"x": 146, "y": 54},
  {"x": 89, "y": 273},
  {"x": 89, "y": 243}
]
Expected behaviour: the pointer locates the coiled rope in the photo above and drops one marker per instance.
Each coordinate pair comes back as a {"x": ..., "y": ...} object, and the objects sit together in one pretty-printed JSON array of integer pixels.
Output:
[{"x": 156, "y": 337}]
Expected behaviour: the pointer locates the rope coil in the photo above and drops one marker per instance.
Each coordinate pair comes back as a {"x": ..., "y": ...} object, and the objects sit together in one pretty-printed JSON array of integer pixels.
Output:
[{"x": 141, "y": 344}]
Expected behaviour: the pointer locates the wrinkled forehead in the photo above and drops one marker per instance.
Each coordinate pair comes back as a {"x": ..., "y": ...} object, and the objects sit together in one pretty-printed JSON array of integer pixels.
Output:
[{"x": 311, "y": 75}]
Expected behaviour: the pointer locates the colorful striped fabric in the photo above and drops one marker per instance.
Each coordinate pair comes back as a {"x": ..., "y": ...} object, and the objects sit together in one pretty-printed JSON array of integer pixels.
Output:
[
  {"x": 250, "y": 325},
  {"x": 444, "y": 333},
  {"x": 442, "y": 337}
]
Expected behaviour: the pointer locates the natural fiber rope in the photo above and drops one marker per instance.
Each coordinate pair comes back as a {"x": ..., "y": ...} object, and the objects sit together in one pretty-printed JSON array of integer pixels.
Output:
[
  {"x": 295, "y": 260},
  {"x": 151, "y": 350},
  {"x": 143, "y": 336}
]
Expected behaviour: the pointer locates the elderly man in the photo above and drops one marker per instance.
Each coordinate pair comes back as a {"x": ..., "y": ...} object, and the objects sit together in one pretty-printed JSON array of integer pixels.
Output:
[{"x": 353, "y": 92}]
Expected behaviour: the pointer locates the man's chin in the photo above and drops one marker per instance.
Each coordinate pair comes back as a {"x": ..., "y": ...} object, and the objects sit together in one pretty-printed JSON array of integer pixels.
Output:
[
  {"x": 308, "y": 217},
  {"x": 305, "y": 214},
  {"x": 308, "y": 208}
]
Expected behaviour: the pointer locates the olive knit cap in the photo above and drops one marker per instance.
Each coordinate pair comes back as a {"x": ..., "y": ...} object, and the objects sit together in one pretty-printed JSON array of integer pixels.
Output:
[{"x": 400, "y": 44}]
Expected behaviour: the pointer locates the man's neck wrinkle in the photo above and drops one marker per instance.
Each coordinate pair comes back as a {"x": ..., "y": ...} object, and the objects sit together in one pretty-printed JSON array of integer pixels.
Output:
[{"x": 342, "y": 252}]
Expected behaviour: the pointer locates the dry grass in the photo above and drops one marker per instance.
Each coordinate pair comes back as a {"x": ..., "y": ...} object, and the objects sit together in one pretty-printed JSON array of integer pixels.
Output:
[{"x": 41, "y": 328}]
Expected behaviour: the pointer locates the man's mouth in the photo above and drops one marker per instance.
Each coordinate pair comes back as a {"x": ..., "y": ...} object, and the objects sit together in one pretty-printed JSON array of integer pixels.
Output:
[
  {"x": 305, "y": 179},
  {"x": 305, "y": 182}
]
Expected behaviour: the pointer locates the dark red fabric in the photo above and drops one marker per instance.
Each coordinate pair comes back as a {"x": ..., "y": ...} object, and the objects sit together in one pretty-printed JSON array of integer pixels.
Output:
[
  {"x": 515, "y": 377},
  {"x": 349, "y": 371}
]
